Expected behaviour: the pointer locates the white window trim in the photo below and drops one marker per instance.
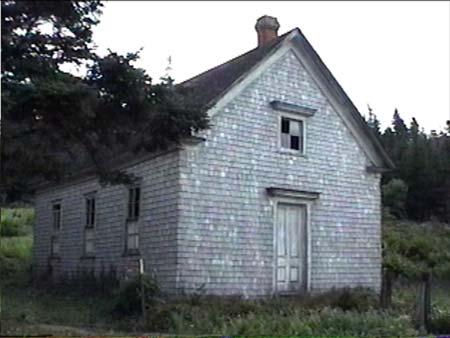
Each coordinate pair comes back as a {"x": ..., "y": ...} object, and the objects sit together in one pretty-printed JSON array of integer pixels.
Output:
[
  {"x": 91, "y": 195},
  {"x": 55, "y": 202},
  {"x": 85, "y": 252},
  {"x": 295, "y": 117},
  {"x": 127, "y": 221},
  {"x": 128, "y": 235},
  {"x": 129, "y": 187},
  {"x": 306, "y": 199},
  {"x": 56, "y": 233},
  {"x": 86, "y": 228}
]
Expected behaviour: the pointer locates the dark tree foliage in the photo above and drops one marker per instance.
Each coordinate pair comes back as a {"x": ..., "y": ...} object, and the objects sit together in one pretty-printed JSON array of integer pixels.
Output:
[
  {"x": 55, "y": 123},
  {"x": 423, "y": 163}
]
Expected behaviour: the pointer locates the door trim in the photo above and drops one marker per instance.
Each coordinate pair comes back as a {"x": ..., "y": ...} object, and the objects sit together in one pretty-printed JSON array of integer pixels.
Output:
[{"x": 307, "y": 203}]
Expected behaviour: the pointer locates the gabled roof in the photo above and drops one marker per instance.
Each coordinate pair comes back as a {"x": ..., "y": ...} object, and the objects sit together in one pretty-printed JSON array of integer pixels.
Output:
[
  {"x": 210, "y": 85},
  {"x": 214, "y": 83}
]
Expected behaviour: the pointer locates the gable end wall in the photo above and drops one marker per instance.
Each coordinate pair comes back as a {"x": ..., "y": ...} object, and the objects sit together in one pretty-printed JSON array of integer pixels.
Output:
[{"x": 226, "y": 230}]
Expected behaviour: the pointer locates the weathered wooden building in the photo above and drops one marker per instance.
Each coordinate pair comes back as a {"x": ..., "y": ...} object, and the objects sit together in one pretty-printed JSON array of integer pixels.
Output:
[{"x": 281, "y": 194}]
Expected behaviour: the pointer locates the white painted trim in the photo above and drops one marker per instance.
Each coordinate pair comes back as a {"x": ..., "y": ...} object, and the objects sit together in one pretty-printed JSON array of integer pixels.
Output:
[
  {"x": 242, "y": 82},
  {"x": 288, "y": 45},
  {"x": 308, "y": 208},
  {"x": 126, "y": 193},
  {"x": 292, "y": 108},
  {"x": 89, "y": 195},
  {"x": 294, "y": 117},
  {"x": 53, "y": 232},
  {"x": 360, "y": 139}
]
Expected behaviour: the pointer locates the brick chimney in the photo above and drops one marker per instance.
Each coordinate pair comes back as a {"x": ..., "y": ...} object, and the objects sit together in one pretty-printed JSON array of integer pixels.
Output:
[{"x": 267, "y": 28}]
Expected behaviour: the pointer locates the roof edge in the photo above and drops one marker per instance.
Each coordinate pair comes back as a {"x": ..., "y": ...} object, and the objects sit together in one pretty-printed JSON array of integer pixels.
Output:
[{"x": 341, "y": 95}]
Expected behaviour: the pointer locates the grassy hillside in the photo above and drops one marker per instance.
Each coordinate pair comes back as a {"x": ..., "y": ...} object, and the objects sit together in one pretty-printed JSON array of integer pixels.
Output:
[{"x": 69, "y": 309}]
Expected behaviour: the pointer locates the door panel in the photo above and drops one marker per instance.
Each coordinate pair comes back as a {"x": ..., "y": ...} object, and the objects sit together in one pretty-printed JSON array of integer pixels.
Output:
[{"x": 291, "y": 247}]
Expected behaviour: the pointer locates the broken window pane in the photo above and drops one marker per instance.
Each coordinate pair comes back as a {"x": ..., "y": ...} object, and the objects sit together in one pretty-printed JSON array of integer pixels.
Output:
[
  {"x": 285, "y": 125},
  {"x": 291, "y": 134},
  {"x": 295, "y": 142}
]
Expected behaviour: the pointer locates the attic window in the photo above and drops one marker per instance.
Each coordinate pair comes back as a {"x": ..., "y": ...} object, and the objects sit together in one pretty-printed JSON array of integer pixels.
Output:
[{"x": 292, "y": 134}]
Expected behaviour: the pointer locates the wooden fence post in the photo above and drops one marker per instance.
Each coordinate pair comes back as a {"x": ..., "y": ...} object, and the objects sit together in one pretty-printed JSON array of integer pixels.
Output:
[
  {"x": 386, "y": 289},
  {"x": 424, "y": 304},
  {"x": 142, "y": 287}
]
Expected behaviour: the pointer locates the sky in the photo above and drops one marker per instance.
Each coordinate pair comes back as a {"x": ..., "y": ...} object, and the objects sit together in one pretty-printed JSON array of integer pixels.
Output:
[{"x": 384, "y": 54}]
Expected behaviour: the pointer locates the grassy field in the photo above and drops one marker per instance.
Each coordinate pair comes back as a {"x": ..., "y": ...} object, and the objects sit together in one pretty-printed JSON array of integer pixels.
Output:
[{"x": 68, "y": 310}]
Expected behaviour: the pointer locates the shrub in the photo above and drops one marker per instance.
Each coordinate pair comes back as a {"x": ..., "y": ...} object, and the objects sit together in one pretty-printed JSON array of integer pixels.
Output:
[
  {"x": 346, "y": 299},
  {"x": 10, "y": 228},
  {"x": 301, "y": 314},
  {"x": 359, "y": 299},
  {"x": 394, "y": 195},
  {"x": 128, "y": 298},
  {"x": 293, "y": 321},
  {"x": 15, "y": 259},
  {"x": 16, "y": 222},
  {"x": 439, "y": 321}
]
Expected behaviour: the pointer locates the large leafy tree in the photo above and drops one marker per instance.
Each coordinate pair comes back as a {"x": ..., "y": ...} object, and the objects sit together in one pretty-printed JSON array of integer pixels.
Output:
[{"x": 54, "y": 122}]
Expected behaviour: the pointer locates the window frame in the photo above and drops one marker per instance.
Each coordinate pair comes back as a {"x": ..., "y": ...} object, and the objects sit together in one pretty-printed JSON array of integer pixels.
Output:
[
  {"x": 54, "y": 228},
  {"x": 136, "y": 235},
  {"x": 294, "y": 117},
  {"x": 90, "y": 218},
  {"x": 56, "y": 231},
  {"x": 87, "y": 253},
  {"x": 55, "y": 241},
  {"x": 134, "y": 220},
  {"x": 90, "y": 225},
  {"x": 134, "y": 215}
]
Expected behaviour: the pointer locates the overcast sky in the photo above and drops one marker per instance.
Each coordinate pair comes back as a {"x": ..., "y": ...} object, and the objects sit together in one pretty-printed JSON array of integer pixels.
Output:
[{"x": 386, "y": 54}]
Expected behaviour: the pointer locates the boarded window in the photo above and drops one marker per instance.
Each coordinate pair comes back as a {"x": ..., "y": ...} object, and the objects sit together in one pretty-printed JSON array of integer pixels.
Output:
[
  {"x": 292, "y": 134},
  {"x": 134, "y": 197}
]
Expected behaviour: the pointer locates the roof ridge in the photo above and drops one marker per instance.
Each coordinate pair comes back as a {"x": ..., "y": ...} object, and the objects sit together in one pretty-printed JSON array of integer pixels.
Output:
[
  {"x": 210, "y": 85},
  {"x": 265, "y": 48}
]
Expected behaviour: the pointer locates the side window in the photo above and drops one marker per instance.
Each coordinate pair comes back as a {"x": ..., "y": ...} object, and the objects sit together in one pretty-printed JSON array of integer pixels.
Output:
[
  {"x": 89, "y": 229},
  {"x": 132, "y": 224},
  {"x": 56, "y": 228},
  {"x": 56, "y": 211},
  {"x": 134, "y": 197},
  {"x": 292, "y": 135}
]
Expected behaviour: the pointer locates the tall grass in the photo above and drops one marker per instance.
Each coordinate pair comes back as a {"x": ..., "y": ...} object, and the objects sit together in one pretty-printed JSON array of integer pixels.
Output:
[{"x": 15, "y": 260}]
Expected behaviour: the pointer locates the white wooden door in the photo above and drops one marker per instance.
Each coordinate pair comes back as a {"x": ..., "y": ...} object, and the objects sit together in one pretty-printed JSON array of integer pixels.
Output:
[{"x": 291, "y": 248}]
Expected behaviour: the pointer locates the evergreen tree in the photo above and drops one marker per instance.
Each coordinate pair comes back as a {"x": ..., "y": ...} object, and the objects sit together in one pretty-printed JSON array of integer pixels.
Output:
[
  {"x": 373, "y": 121},
  {"x": 54, "y": 123},
  {"x": 423, "y": 163}
]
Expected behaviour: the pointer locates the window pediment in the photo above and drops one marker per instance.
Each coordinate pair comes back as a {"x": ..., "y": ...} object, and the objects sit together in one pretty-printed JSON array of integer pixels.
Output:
[{"x": 292, "y": 108}]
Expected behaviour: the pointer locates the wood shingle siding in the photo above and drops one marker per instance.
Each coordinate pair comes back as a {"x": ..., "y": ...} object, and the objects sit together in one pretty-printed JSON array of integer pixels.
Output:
[
  {"x": 159, "y": 188},
  {"x": 226, "y": 221},
  {"x": 209, "y": 211}
]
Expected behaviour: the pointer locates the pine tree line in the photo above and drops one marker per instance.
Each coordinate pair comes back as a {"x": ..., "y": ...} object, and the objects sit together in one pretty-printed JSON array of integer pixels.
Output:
[{"x": 419, "y": 187}]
